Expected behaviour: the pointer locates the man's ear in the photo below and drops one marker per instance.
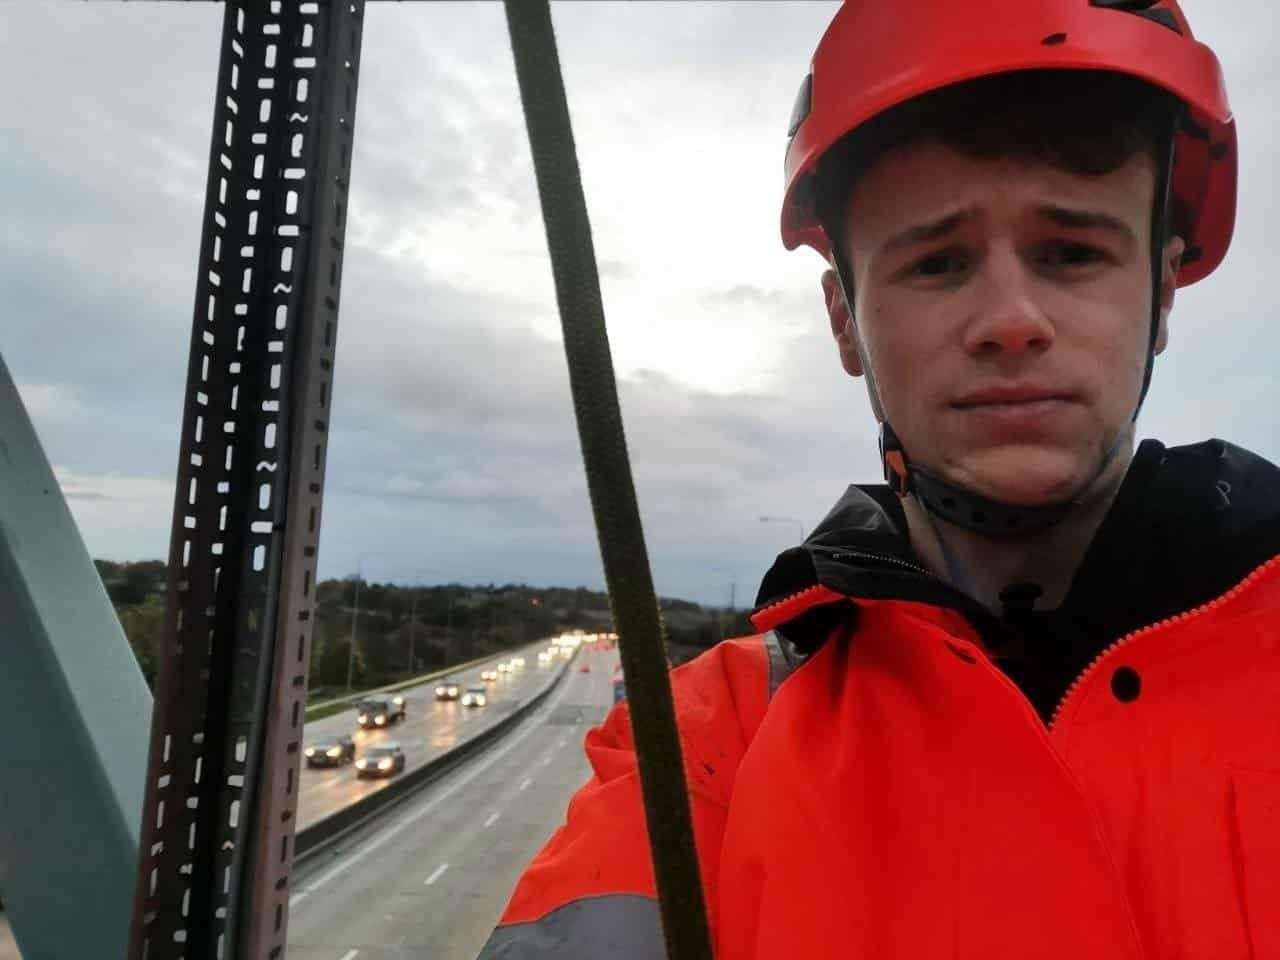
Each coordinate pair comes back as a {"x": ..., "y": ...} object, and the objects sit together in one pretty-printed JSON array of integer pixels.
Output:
[
  {"x": 842, "y": 326},
  {"x": 1173, "y": 251}
]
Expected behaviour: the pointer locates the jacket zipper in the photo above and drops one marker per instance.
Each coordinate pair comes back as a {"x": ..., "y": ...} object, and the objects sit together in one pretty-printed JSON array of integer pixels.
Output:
[
  {"x": 812, "y": 588},
  {"x": 859, "y": 555},
  {"x": 964, "y": 604},
  {"x": 848, "y": 555},
  {"x": 1257, "y": 574}
]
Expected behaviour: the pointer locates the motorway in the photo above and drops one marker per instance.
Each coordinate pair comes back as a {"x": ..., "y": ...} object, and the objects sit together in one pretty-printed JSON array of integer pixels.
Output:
[
  {"x": 430, "y": 727},
  {"x": 430, "y": 879}
]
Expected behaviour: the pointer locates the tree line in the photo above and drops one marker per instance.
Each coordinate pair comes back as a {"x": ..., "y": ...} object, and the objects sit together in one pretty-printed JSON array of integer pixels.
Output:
[{"x": 403, "y": 630}]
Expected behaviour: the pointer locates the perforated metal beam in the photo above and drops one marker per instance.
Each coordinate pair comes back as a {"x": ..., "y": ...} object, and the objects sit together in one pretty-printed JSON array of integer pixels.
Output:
[
  {"x": 217, "y": 824},
  {"x": 73, "y": 719}
]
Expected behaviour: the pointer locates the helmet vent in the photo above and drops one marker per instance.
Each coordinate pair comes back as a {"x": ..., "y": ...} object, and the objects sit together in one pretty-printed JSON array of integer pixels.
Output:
[
  {"x": 1054, "y": 40},
  {"x": 1142, "y": 8}
]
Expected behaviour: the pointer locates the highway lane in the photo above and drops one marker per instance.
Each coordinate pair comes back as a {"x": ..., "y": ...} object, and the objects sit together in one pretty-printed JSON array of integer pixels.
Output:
[
  {"x": 430, "y": 880},
  {"x": 430, "y": 728}
]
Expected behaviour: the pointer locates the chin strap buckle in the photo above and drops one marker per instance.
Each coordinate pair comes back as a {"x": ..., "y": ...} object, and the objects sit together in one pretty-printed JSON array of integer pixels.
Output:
[
  {"x": 896, "y": 473},
  {"x": 959, "y": 506}
]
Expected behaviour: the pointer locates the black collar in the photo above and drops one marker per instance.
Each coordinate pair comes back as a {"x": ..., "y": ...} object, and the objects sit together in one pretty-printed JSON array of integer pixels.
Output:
[{"x": 1187, "y": 524}]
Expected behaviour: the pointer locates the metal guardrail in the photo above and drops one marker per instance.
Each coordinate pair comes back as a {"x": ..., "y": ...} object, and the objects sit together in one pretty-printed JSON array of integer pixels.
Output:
[{"x": 318, "y": 837}]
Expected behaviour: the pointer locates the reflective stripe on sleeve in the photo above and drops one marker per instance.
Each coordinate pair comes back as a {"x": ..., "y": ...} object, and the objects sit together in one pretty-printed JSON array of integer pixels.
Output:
[
  {"x": 784, "y": 658},
  {"x": 611, "y": 927}
]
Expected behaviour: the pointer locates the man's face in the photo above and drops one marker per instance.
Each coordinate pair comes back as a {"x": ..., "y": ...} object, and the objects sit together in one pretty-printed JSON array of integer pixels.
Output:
[{"x": 1003, "y": 307}]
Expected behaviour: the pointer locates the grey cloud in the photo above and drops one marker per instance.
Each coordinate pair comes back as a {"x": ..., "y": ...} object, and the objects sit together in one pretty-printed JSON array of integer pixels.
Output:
[
  {"x": 783, "y": 303},
  {"x": 453, "y": 450}
]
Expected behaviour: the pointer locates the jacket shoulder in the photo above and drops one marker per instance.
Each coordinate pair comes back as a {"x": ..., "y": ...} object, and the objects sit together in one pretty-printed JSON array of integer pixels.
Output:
[
  {"x": 601, "y": 852},
  {"x": 720, "y": 699}
]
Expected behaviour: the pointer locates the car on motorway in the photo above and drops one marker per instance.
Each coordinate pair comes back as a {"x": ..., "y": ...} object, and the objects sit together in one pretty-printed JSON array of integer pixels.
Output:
[
  {"x": 448, "y": 690},
  {"x": 489, "y": 676},
  {"x": 384, "y": 760},
  {"x": 517, "y": 663},
  {"x": 330, "y": 751},
  {"x": 475, "y": 697},
  {"x": 545, "y": 657},
  {"x": 504, "y": 667},
  {"x": 374, "y": 713}
]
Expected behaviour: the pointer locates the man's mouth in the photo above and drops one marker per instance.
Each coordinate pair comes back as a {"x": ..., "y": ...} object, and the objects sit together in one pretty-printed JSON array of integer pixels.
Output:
[{"x": 1013, "y": 396}]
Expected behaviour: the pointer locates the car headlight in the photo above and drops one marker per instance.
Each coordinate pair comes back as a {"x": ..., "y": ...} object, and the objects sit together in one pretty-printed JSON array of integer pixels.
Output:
[
  {"x": 379, "y": 719},
  {"x": 362, "y": 763},
  {"x": 334, "y": 752},
  {"x": 398, "y": 701},
  {"x": 310, "y": 751},
  {"x": 439, "y": 691},
  {"x": 480, "y": 701},
  {"x": 362, "y": 718},
  {"x": 386, "y": 763}
]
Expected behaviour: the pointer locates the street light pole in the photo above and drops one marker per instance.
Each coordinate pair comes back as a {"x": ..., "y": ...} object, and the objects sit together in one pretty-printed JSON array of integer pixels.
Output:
[
  {"x": 355, "y": 618},
  {"x": 413, "y": 624}
]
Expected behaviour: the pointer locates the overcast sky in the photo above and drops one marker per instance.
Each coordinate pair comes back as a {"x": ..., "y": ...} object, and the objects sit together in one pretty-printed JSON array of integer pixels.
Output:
[{"x": 453, "y": 454}]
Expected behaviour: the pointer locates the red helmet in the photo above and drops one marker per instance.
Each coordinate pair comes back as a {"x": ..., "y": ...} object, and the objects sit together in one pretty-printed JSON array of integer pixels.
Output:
[{"x": 877, "y": 54}]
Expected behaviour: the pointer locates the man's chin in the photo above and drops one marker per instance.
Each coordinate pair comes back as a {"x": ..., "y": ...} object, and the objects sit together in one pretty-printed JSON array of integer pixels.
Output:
[{"x": 1021, "y": 478}]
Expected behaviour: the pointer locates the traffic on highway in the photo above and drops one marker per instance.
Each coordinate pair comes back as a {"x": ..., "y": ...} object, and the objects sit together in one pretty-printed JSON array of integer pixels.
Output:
[
  {"x": 349, "y": 755},
  {"x": 431, "y": 877}
]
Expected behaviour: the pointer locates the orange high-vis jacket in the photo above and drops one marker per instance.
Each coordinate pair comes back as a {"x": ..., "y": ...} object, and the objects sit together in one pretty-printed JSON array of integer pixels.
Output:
[{"x": 894, "y": 794}]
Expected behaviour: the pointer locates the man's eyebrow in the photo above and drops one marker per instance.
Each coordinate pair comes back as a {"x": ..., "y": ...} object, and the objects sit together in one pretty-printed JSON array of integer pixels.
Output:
[
  {"x": 924, "y": 232},
  {"x": 1085, "y": 219}
]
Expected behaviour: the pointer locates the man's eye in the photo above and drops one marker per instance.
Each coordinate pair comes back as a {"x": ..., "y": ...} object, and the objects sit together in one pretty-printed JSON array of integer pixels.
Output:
[
  {"x": 1072, "y": 255},
  {"x": 940, "y": 265}
]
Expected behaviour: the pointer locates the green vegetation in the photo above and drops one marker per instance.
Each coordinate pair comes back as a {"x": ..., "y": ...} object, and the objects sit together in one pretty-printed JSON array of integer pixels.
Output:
[{"x": 402, "y": 631}]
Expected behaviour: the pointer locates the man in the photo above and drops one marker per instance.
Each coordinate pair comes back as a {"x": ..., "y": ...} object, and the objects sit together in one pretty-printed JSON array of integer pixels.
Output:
[{"x": 1023, "y": 700}]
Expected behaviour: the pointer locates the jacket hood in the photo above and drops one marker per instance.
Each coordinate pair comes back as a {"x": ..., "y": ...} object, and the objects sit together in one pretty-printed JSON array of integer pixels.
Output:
[{"x": 1187, "y": 524}]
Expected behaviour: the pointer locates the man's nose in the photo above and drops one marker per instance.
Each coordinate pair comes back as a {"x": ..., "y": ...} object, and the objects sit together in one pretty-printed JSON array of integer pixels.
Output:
[{"x": 1007, "y": 317}]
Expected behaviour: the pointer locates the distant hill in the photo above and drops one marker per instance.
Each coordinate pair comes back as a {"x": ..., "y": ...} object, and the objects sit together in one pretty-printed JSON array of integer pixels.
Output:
[{"x": 404, "y": 630}]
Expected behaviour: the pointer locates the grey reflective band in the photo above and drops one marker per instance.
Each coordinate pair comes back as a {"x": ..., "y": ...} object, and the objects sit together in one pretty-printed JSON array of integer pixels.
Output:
[
  {"x": 618, "y": 926},
  {"x": 783, "y": 659}
]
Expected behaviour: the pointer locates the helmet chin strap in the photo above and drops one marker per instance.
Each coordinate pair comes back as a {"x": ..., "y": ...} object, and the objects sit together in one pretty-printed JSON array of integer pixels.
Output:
[{"x": 967, "y": 508}]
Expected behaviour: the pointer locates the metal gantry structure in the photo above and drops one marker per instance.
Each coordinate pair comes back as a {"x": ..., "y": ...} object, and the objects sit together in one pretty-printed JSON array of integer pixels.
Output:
[
  {"x": 219, "y": 799},
  {"x": 231, "y": 685}
]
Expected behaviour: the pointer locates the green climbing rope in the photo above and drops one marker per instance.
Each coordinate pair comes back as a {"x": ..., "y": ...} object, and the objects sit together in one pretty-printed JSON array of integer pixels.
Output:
[{"x": 613, "y": 499}]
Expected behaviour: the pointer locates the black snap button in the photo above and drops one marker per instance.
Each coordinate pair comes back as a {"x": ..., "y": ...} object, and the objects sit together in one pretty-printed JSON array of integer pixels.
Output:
[{"x": 1126, "y": 684}]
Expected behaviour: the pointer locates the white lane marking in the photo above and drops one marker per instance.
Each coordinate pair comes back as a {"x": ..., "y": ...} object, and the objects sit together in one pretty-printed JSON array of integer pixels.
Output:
[
  {"x": 351, "y": 955},
  {"x": 436, "y": 874},
  {"x": 340, "y": 868},
  {"x": 527, "y": 781},
  {"x": 492, "y": 817}
]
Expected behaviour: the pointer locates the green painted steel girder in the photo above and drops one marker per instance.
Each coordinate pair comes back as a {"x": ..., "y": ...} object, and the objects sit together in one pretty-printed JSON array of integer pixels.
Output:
[{"x": 75, "y": 715}]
